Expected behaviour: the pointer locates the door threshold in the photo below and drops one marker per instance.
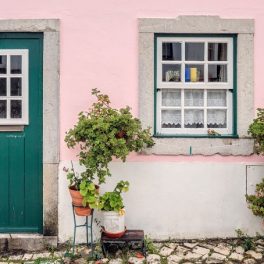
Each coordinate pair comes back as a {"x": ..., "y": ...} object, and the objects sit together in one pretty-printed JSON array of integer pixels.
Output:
[{"x": 27, "y": 242}]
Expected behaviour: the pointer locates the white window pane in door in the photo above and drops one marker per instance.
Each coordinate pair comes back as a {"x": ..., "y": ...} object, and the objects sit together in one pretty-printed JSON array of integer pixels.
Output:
[
  {"x": 171, "y": 97},
  {"x": 16, "y": 109},
  {"x": 171, "y": 72},
  {"x": 216, "y": 98},
  {"x": 194, "y": 51},
  {"x": 16, "y": 87},
  {"x": 193, "y": 118},
  {"x": 3, "y": 108},
  {"x": 170, "y": 118},
  {"x": 3, "y": 64},
  {"x": 171, "y": 51},
  {"x": 193, "y": 97},
  {"x": 3, "y": 87},
  {"x": 217, "y": 51},
  {"x": 16, "y": 64},
  {"x": 217, "y": 73},
  {"x": 194, "y": 73},
  {"x": 216, "y": 118}
]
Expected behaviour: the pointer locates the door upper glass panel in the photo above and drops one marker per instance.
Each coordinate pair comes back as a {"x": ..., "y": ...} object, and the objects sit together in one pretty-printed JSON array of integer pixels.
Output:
[{"x": 13, "y": 87}]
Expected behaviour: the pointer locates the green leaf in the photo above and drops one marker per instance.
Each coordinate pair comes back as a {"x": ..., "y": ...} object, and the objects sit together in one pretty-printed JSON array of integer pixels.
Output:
[{"x": 91, "y": 187}]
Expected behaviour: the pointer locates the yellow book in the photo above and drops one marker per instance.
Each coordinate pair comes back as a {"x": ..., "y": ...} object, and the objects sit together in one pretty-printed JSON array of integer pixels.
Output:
[{"x": 194, "y": 75}]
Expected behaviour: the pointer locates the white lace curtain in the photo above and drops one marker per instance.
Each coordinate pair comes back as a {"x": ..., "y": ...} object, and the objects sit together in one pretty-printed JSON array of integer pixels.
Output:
[
  {"x": 171, "y": 98},
  {"x": 194, "y": 117},
  {"x": 172, "y": 117},
  {"x": 216, "y": 98},
  {"x": 194, "y": 98},
  {"x": 216, "y": 118}
]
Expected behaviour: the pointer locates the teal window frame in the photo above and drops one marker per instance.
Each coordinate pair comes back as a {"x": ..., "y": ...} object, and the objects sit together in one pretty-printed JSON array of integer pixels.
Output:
[{"x": 234, "y": 127}]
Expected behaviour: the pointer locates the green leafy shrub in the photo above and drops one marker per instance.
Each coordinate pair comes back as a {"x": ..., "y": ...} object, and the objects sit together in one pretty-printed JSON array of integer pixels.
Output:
[
  {"x": 256, "y": 201},
  {"x": 103, "y": 133},
  {"x": 256, "y": 130}
]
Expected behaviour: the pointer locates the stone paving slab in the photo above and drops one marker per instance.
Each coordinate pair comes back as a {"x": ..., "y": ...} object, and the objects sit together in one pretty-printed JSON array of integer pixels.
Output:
[{"x": 198, "y": 252}]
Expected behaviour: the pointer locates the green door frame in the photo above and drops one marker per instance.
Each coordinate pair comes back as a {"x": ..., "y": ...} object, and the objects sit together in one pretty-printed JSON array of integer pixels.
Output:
[
  {"x": 21, "y": 159},
  {"x": 51, "y": 72}
]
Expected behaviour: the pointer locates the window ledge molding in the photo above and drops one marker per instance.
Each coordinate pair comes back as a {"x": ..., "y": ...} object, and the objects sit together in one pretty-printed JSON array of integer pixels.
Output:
[
  {"x": 202, "y": 146},
  {"x": 244, "y": 28},
  {"x": 196, "y": 25}
]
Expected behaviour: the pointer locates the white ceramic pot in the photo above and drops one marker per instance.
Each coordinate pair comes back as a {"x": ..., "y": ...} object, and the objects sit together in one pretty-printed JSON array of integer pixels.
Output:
[{"x": 113, "y": 222}]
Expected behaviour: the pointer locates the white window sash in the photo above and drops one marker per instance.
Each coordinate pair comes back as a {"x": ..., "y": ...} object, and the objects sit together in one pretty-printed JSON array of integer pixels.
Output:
[
  {"x": 195, "y": 131},
  {"x": 205, "y": 84}
]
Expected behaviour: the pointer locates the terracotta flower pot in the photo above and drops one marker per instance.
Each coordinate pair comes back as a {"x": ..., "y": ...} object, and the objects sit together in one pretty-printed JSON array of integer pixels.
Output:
[
  {"x": 77, "y": 199},
  {"x": 121, "y": 134}
]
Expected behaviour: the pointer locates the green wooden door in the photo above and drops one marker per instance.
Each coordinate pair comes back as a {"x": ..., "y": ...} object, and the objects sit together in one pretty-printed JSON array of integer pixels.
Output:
[{"x": 21, "y": 151}]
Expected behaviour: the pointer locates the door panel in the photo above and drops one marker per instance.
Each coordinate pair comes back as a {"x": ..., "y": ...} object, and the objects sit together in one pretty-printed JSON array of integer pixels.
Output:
[{"x": 21, "y": 151}]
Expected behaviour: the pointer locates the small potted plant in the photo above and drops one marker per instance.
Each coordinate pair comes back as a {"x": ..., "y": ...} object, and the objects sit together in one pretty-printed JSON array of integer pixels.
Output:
[
  {"x": 84, "y": 193},
  {"x": 112, "y": 206}
]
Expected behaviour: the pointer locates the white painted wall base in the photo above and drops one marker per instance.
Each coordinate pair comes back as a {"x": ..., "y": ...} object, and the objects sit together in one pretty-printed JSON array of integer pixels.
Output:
[{"x": 176, "y": 200}]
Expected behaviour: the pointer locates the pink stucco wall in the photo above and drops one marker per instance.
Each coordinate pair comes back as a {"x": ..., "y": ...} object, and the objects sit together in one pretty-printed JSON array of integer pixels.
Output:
[{"x": 99, "y": 48}]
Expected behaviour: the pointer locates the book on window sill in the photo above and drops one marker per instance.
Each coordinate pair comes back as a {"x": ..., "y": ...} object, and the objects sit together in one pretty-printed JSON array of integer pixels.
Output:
[{"x": 194, "y": 75}]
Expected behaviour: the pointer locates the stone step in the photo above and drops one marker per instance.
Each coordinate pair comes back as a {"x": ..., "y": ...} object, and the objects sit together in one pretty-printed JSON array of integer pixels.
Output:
[{"x": 27, "y": 242}]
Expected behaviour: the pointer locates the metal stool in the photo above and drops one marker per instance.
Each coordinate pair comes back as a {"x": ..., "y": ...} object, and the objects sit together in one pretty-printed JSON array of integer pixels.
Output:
[{"x": 86, "y": 224}]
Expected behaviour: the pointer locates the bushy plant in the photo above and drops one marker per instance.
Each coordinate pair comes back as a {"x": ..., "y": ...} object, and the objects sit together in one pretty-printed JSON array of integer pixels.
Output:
[
  {"x": 256, "y": 130},
  {"x": 101, "y": 134},
  {"x": 104, "y": 133}
]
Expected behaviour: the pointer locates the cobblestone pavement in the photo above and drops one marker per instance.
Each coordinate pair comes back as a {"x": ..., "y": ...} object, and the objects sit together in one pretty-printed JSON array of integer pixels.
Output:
[{"x": 247, "y": 251}]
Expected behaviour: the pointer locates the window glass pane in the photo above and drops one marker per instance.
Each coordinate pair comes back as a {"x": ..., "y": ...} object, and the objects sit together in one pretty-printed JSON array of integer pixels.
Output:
[
  {"x": 217, "y": 73},
  {"x": 16, "y": 64},
  {"x": 3, "y": 109},
  {"x": 171, "y": 97},
  {"x": 16, "y": 109},
  {"x": 16, "y": 89},
  {"x": 170, "y": 118},
  {"x": 216, "y": 118},
  {"x": 171, "y": 73},
  {"x": 193, "y": 98},
  {"x": 3, "y": 87},
  {"x": 2, "y": 64},
  {"x": 194, "y": 51},
  {"x": 171, "y": 51},
  {"x": 217, "y": 51},
  {"x": 194, "y": 73},
  {"x": 193, "y": 118},
  {"x": 216, "y": 98}
]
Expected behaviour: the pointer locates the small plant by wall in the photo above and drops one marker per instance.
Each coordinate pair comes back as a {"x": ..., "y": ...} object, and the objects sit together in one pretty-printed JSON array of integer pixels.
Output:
[{"x": 256, "y": 130}]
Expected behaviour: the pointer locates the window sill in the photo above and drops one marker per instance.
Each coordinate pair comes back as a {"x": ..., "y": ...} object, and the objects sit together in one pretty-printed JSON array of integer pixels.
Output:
[
  {"x": 209, "y": 145},
  {"x": 194, "y": 136}
]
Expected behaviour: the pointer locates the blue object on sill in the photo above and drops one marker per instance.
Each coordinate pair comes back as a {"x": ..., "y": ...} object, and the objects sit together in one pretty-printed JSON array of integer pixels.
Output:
[{"x": 187, "y": 74}]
